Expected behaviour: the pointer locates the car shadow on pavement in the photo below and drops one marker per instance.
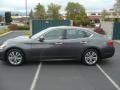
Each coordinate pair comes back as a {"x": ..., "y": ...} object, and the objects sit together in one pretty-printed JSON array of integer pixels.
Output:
[
  {"x": 60, "y": 62},
  {"x": 63, "y": 63},
  {"x": 105, "y": 62},
  {"x": 30, "y": 63}
]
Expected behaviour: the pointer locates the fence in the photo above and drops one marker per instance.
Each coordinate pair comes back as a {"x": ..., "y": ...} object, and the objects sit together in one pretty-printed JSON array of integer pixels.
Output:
[
  {"x": 38, "y": 25},
  {"x": 116, "y": 31}
]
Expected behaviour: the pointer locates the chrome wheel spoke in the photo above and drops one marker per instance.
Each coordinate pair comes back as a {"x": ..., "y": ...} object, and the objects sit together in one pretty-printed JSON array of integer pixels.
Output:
[
  {"x": 94, "y": 58},
  {"x": 93, "y": 54},
  {"x": 19, "y": 58},
  {"x": 11, "y": 58}
]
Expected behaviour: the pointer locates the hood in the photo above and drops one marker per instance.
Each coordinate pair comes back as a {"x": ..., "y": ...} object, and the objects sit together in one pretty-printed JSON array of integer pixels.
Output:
[{"x": 19, "y": 39}]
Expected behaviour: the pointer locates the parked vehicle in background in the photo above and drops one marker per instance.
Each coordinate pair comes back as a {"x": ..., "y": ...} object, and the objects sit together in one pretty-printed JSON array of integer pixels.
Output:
[
  {"x": 2, "y": 23},
  {"x": 98, "y": 29},
  {"x": 62, "y": 42}
]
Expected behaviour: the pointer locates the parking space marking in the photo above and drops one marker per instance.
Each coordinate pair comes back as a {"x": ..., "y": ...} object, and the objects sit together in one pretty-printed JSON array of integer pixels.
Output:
[
  {"x": 36, "y": 77},
  {"x": 108, "y": 77}
]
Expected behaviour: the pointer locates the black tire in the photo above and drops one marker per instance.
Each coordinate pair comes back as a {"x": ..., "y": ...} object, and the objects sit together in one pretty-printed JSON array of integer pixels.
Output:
[
  {"x": 17, "y": 60},
  {"x": 90, "y": 60}
]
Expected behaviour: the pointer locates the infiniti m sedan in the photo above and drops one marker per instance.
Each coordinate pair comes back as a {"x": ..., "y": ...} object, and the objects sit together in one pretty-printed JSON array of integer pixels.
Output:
[{"x": 58, "y": 43}]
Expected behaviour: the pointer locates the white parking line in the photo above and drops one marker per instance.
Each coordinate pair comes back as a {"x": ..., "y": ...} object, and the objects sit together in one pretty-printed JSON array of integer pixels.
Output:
[
  {"x": 108, "y": 77},
  {"x": 36, "y": 77}
]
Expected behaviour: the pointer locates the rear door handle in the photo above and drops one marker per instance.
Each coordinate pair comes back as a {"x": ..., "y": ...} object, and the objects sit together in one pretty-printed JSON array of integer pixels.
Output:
[
  {"x": 83, "y": 42},
  {"x": 58, "y": 43}
]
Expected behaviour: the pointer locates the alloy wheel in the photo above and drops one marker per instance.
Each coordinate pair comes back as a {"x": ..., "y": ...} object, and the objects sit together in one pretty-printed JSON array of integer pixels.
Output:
[
  {"x": 15, "y": 57},
  {"x": 90, "y": 57}
]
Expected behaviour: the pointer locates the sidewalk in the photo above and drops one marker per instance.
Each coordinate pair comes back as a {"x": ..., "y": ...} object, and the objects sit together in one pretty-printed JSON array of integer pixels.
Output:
[{"x": 118, "y": 41}]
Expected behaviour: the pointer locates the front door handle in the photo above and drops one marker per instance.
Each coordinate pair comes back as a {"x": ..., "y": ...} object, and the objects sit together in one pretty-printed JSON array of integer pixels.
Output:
[
  {"x": 83, "y": 42},
  {"x": 58, "y": 43}
]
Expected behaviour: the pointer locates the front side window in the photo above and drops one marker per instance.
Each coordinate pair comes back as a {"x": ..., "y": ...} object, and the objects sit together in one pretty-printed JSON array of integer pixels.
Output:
[
  {"x": 74, "y": 34},
  {"x": 71, "y": 34},
  {"x": 55, "y": 34}
]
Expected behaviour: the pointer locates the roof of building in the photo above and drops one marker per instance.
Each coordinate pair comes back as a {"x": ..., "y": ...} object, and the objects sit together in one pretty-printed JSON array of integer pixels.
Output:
[{"x": 94, "y": 17}]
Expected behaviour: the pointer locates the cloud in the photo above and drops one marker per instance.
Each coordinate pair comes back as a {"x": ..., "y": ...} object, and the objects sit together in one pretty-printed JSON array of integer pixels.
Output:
[{"x": 19, "y": 5}]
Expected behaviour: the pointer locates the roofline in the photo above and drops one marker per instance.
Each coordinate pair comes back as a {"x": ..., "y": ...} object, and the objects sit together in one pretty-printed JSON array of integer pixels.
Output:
[{"x": 70, "y": 27}]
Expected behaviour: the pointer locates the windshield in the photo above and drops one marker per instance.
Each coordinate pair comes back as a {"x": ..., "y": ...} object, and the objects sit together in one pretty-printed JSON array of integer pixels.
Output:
[{"x": 37, "y": 35}]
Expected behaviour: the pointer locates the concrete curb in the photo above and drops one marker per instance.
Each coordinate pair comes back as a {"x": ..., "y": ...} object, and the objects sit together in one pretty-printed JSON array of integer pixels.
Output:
[{"x": 5, "y": 33}]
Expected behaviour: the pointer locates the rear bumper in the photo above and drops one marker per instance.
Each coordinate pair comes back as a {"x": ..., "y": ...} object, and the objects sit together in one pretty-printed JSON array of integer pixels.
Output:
[{"x": 107, "y": 52}]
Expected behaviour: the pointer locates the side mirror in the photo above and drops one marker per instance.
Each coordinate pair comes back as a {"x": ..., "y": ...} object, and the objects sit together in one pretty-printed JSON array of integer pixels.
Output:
[{"x": 41, "y": 39}]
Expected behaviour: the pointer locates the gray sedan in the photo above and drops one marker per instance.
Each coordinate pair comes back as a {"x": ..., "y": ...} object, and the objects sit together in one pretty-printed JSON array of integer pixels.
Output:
[{"x": 58, "y": 43}]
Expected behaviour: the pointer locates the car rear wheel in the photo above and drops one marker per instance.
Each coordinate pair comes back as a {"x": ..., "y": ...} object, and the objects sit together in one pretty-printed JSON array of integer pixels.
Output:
[
  {"x": 90, "y": 57},
  {"x": 15, "y": 57}
]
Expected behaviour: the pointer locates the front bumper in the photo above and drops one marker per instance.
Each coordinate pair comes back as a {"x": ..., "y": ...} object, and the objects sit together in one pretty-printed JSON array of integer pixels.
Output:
[{"x": 1, "y": 54}]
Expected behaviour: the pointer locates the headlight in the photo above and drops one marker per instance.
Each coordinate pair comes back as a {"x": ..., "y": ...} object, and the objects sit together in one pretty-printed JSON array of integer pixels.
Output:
[{"x": 3, "y": 45}]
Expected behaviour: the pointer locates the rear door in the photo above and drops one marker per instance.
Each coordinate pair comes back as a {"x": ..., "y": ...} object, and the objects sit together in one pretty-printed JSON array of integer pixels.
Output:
[{"x": 75, "y": 41}]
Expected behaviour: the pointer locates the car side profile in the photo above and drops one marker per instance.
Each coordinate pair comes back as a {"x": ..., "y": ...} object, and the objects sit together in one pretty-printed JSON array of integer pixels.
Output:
[{"x": 61, "y": 42}]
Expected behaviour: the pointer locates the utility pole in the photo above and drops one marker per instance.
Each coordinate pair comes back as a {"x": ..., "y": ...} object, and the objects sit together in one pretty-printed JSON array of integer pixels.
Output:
[{"x": 26, "y": 11}]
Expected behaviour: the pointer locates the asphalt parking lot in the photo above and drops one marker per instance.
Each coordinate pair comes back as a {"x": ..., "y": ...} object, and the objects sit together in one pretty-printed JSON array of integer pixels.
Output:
[{"x": 61, "y": 75}]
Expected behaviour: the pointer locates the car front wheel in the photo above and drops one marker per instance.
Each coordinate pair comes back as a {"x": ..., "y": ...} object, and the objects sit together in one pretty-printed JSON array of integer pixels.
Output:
[
  {"x": 90, "y": 57},
  {"x": 15, "y": 57}
]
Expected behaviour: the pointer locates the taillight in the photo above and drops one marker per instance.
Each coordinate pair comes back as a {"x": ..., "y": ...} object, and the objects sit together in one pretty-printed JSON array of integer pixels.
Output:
[{"x": 110, "y": 42}]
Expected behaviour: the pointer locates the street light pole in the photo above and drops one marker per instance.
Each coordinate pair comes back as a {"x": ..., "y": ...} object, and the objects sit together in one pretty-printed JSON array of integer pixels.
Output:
[{"x": 26, "y": 10}]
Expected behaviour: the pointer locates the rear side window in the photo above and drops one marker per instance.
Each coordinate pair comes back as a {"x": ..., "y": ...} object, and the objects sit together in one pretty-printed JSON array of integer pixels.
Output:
[
  {"x": 74, "y": 34},
  {"x": 83, "y": 34}
]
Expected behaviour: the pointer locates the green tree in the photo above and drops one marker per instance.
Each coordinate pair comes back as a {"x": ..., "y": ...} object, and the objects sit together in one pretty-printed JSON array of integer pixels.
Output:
[
  {"x": 117, "y": 6},
  {"x": 104, "y": 14},
  {"x": 117, "y": 10},
  {"x": 53, "y": 11},
  {"x": 74, "y": 9},
  {"x": 39, "y": 11},
  {"x": 8, "y": 18},
  {"x": 31, "y": 14},
  {"x": 76, "y": 12}
]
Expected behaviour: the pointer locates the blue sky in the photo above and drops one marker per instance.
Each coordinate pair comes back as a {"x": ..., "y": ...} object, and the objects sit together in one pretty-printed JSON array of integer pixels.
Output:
[{"x": 90, "y": 5}]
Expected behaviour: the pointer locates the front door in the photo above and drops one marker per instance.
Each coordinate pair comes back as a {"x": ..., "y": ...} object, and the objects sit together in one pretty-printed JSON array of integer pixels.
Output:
[{"x": 52, "y": 44}]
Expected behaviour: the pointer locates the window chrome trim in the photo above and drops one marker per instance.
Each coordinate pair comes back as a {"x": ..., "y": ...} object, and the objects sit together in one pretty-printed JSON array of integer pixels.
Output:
[{"x": 90, "y": 36}]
